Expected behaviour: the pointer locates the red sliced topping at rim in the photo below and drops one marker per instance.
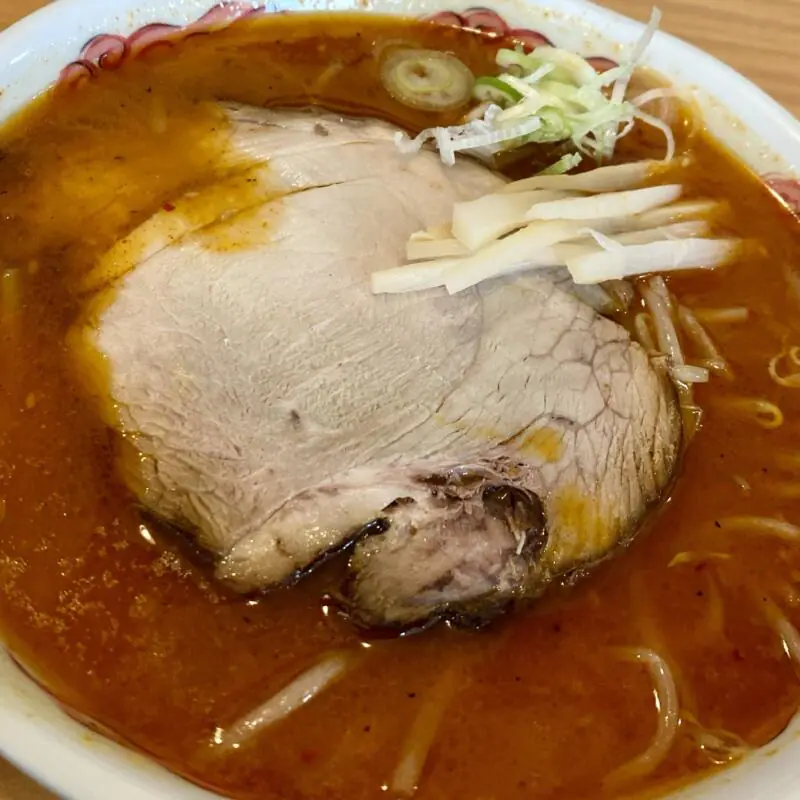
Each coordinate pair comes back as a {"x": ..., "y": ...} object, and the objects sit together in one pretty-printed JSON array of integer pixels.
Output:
[
  {"x": 447, "y": 18},
  {"x": 601, "y": 64},
  {"x": 106, "y": 51},
  {"x": 152, "y": 35},
  {"x": 529, "y": 39},
  {"x": 77, "y": 73},
  {"x": 226, "y": 12},
  {"x": 485, "y": 20}
]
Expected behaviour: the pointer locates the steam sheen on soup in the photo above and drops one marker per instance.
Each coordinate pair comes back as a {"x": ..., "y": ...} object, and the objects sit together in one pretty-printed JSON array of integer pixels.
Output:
[{"x": 121, "y": 616}]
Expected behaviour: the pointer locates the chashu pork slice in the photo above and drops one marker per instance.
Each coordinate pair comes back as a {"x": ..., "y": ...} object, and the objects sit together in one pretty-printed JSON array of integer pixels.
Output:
[{"x": 472, "y": 447}]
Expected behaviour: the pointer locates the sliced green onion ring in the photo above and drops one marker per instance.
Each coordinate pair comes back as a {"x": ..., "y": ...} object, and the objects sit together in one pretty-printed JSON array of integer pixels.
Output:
[{"x": 427, "y": 79}]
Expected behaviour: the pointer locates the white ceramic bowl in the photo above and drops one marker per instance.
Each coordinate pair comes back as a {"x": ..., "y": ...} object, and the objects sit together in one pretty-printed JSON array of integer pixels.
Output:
[{"x": 34, "y": 732}]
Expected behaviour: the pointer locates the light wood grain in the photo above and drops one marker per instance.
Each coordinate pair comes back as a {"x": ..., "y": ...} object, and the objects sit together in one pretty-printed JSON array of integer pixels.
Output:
[{"x": 759, "y": 38}]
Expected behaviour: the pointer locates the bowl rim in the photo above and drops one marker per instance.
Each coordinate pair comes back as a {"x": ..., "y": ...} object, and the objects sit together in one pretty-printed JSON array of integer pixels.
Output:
[{"x": 35, "y": 733}]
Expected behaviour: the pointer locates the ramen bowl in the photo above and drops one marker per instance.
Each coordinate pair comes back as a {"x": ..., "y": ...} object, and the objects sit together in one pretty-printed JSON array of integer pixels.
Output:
[{"x": 72, "y": 40}]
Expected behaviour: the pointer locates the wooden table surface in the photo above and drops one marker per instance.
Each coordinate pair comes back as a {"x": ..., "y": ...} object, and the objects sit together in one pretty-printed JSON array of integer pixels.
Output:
[{"x": 759, "y": 38}]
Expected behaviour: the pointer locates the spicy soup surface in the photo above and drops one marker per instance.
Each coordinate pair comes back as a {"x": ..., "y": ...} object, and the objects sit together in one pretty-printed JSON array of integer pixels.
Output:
[{"x": 126, "y": 627}]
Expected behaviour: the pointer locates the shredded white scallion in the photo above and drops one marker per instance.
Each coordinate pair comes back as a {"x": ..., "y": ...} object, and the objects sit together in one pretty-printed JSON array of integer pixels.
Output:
[
  {"x": 478, "y": 135},
  {"x": 662, "y": 126},
  {"x": 623, "y": 74},
  {"x": 652, "y": 95},
  {"x": 626, "y": 70},
  {"x": 547, "y": 96}
]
